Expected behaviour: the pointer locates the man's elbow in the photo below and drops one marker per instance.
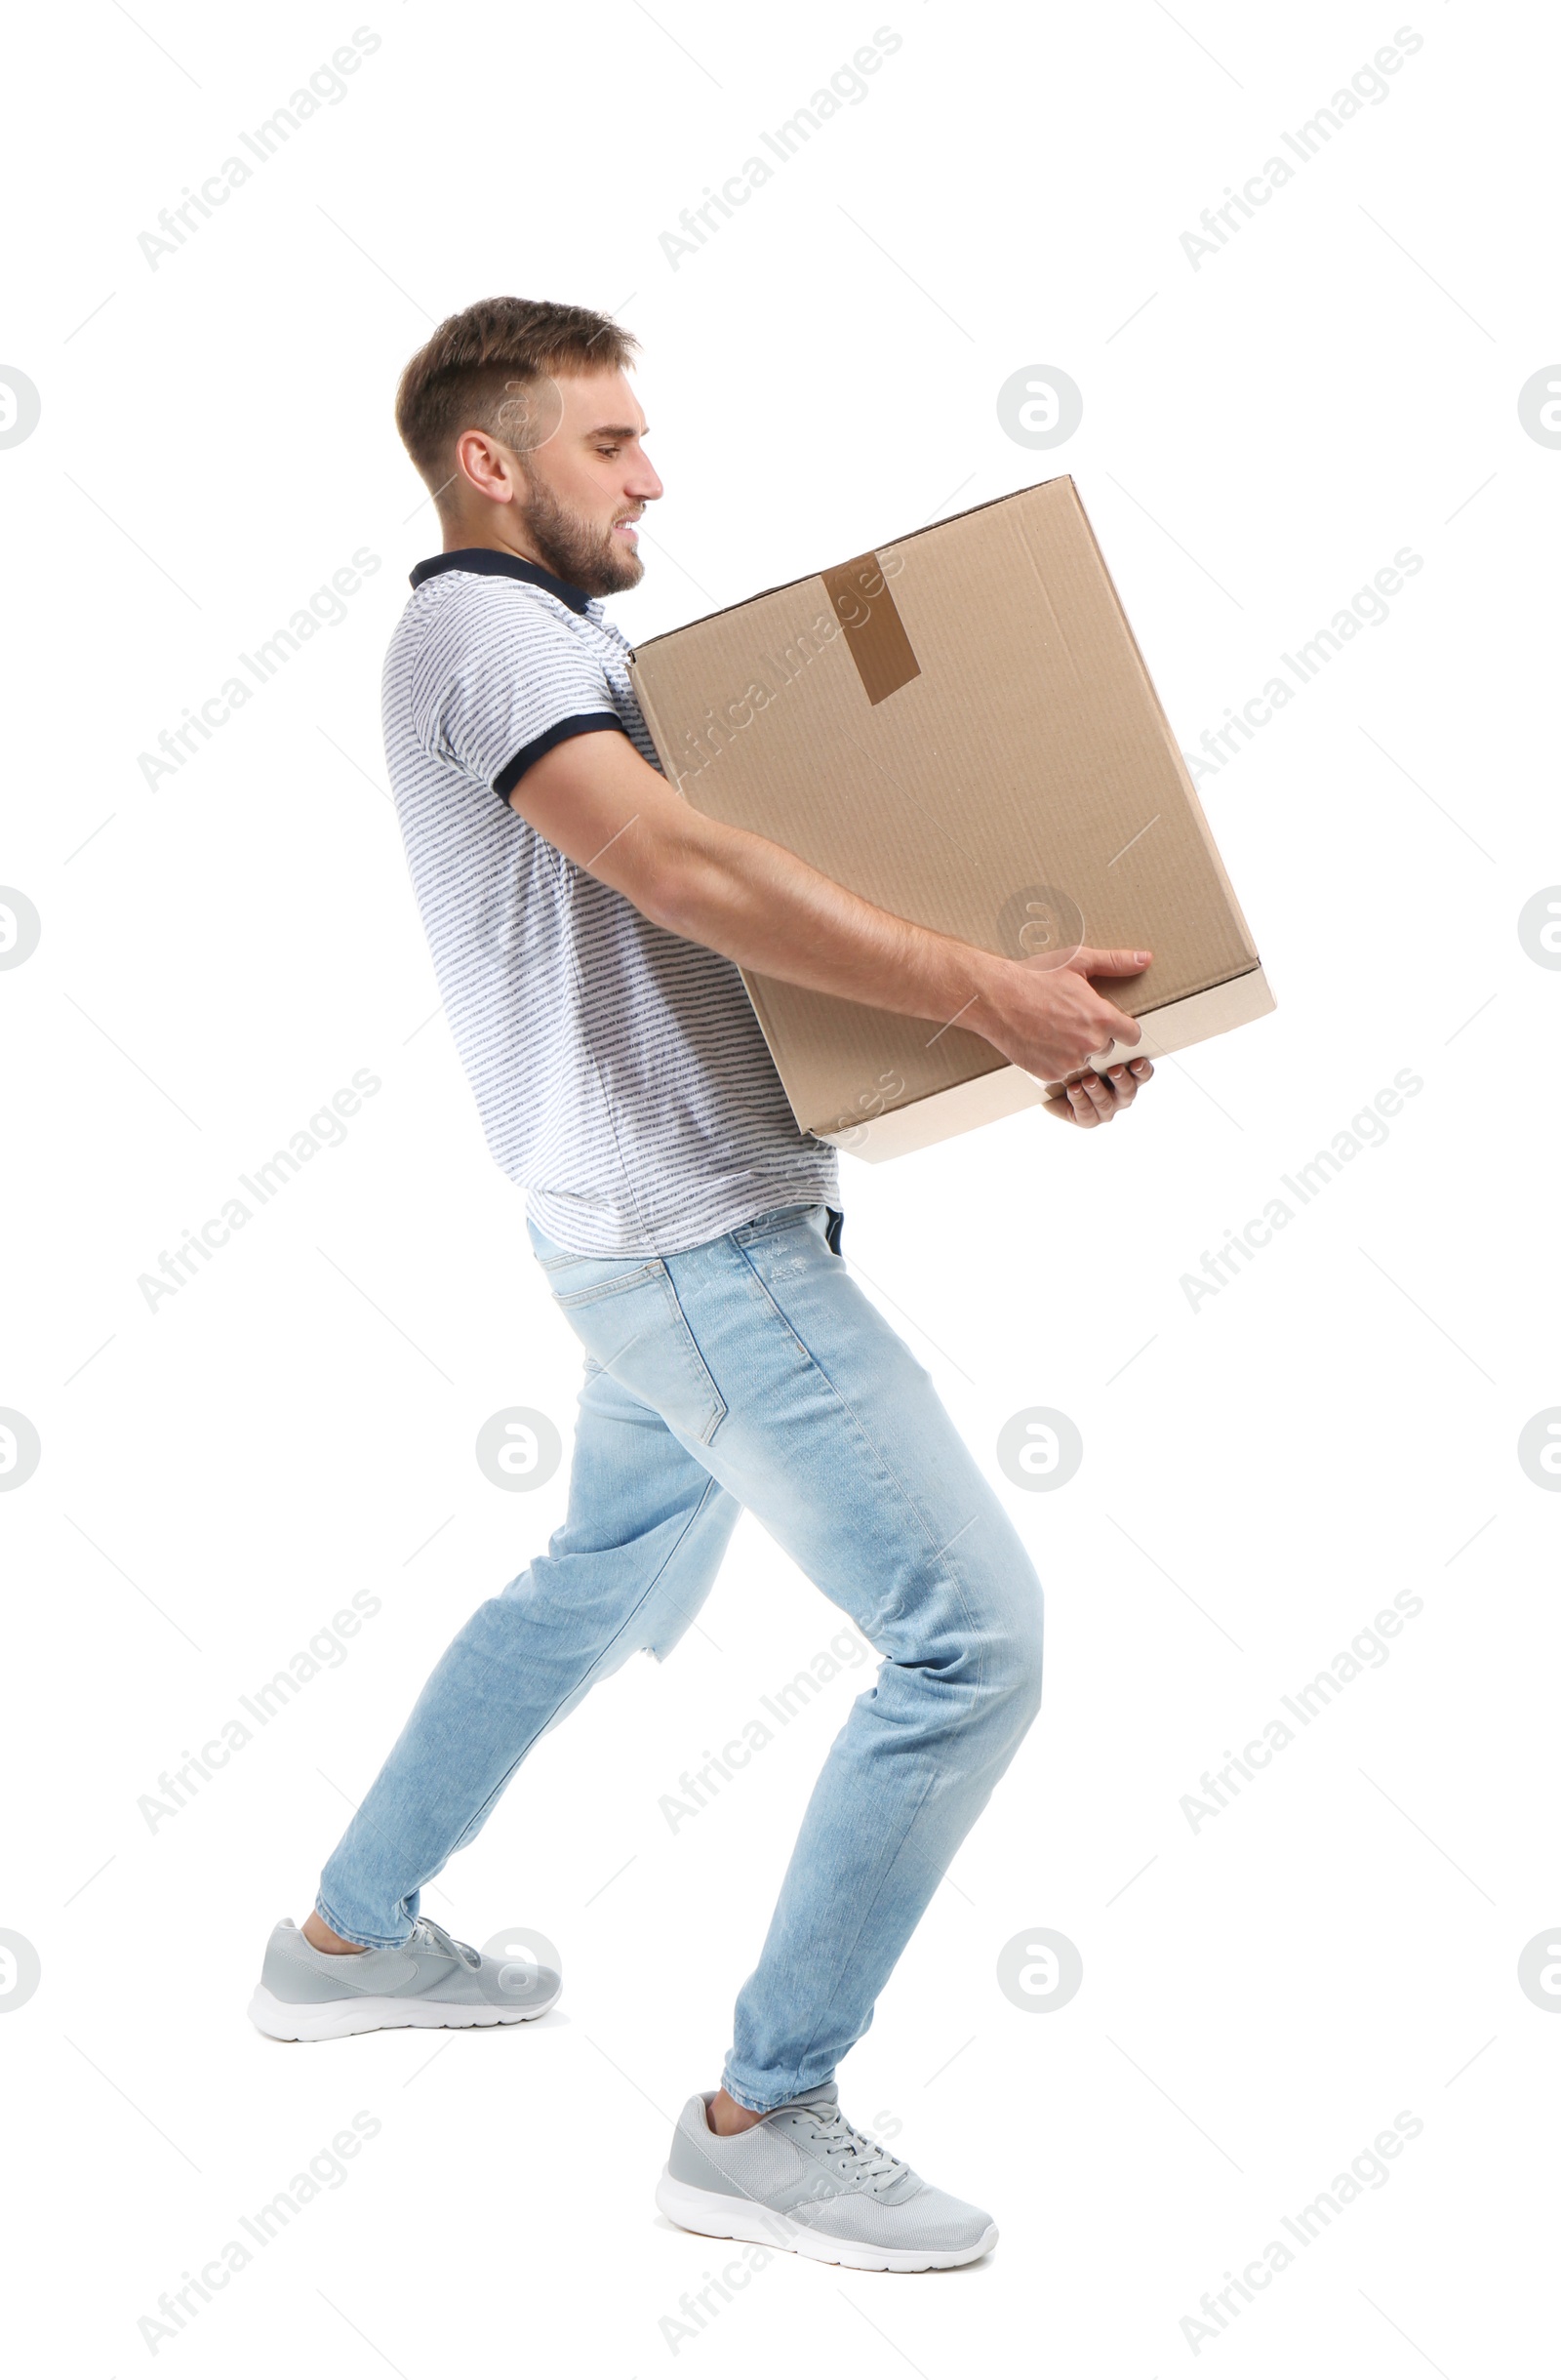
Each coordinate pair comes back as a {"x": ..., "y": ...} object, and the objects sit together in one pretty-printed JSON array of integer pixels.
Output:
[{"x": 673, "y": 884}]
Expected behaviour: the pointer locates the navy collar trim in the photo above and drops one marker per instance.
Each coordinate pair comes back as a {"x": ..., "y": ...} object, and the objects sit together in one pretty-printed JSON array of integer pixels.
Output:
[{"x": 490, "y": 563}]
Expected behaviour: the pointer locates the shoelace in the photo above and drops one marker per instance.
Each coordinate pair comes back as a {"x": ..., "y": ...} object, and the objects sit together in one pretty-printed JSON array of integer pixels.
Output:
[
  {"x": 433, "y": 1937},
  {"x": 869, "y": 2163}
]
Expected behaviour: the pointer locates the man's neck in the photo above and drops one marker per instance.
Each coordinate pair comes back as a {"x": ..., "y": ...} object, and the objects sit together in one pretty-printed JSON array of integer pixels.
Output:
[{"x": 466, "y": 537}]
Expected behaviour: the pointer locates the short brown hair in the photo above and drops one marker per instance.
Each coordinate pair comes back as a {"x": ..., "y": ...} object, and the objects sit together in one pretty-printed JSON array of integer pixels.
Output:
[{"x": 459, "y": 380}]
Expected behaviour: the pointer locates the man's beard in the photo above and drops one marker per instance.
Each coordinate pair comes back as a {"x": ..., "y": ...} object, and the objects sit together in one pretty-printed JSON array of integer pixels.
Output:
[{"x": 592, "y": 559}]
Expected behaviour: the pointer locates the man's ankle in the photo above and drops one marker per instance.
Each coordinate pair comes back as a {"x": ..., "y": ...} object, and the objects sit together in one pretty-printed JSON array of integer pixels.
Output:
[
  {"x": 319, "y": 1936},
  {"x": 729, "y": 2116}
]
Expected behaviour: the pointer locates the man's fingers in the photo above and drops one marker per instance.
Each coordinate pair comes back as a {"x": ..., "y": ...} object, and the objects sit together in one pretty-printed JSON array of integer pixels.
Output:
[
  {"x": 1089, "y": 961},
  {"x": 1095, "y": 1099},
  {"x": 1137, "y": 1070},
  {"x": 1118, "y": 1027},
  {"x": 1091, "y": 1100}
]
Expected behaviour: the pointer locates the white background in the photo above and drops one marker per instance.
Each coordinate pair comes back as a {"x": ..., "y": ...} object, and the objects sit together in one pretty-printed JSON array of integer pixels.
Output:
[{"x": 220, "y": 953}]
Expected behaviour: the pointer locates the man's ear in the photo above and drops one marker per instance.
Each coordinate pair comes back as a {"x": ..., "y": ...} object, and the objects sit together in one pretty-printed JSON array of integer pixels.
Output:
[{"x": 484, "y": 464}]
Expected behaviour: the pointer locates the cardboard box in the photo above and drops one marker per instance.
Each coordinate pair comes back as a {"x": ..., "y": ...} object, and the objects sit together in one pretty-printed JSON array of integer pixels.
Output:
[{"x": 960, "y": 728}]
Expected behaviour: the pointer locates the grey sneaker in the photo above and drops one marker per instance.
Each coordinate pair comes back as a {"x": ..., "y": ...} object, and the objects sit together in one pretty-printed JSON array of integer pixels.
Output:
[
  {"x": 805, "y": 2179},
  {"x": 305, "y": 1995}
]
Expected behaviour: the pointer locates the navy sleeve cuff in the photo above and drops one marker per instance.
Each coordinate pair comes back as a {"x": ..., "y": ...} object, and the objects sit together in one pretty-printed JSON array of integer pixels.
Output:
[{"x": 584, "y": 723}]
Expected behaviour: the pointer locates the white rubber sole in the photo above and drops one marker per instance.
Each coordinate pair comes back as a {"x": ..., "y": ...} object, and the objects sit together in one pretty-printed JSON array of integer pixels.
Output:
[
  {"x": 719, "y": 2217},
  {"x": 333, "y": 2020}
]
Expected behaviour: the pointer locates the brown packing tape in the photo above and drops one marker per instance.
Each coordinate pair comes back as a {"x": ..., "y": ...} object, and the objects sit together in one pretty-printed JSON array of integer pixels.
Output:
[{"x": 874, "y": 629}]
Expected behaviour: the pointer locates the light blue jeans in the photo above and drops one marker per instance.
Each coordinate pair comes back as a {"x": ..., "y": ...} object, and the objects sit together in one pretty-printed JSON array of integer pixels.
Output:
[{"x": 747, "y": 1371}]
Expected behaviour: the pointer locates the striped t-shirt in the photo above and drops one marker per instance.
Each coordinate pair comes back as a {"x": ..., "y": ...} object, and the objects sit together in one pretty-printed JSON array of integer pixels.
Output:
[{"x": 619, "y": 1071}]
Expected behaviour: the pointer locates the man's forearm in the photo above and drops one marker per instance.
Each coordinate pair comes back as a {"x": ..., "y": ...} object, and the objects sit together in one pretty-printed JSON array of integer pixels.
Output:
[
  {"x": 605, "y": 808},
  {"x": 761, "y": 905}
]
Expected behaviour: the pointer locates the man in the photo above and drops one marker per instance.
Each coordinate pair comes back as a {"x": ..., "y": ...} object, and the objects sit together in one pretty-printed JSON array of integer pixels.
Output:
[{"x": 587, "y": 926}]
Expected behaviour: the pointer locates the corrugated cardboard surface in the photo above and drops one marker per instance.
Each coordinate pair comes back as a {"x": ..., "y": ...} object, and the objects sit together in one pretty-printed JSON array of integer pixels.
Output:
[{"x": 962, "y": 730}]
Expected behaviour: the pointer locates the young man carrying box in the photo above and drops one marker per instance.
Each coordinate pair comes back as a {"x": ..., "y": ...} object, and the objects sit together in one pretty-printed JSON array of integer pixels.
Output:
[{"x": 588, "y": 926}]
